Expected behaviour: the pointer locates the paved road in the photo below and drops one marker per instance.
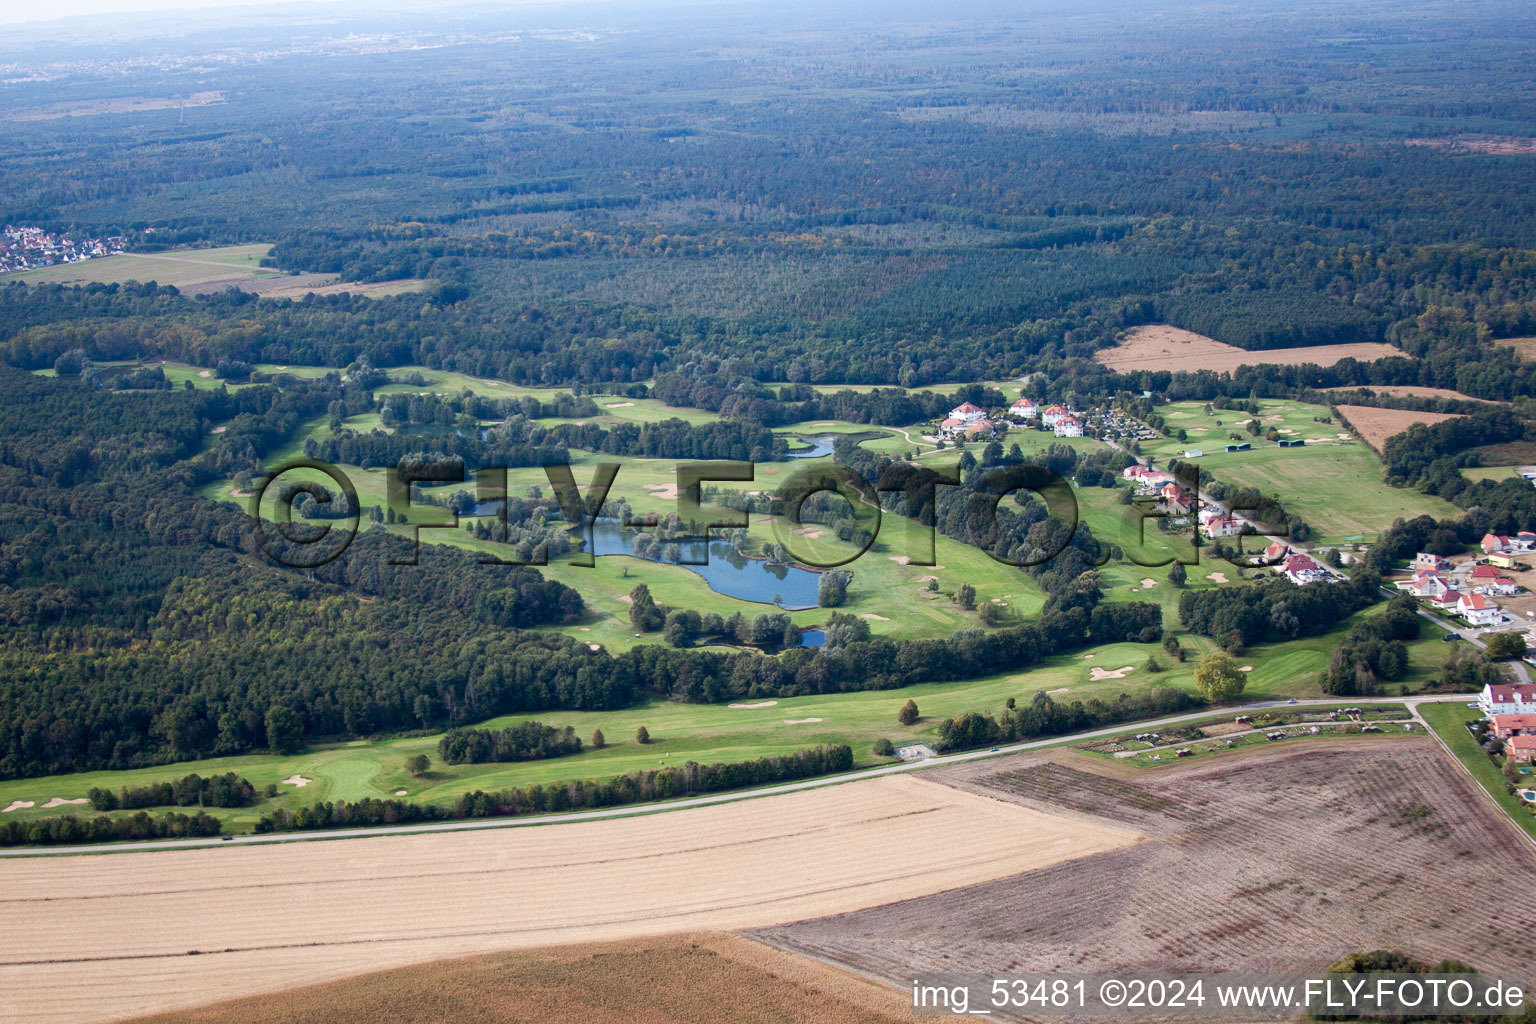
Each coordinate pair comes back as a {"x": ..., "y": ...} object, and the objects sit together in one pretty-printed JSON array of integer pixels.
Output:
[
  {"x": 705, "y": 801},
  {"x": 1469, "y": 634}
]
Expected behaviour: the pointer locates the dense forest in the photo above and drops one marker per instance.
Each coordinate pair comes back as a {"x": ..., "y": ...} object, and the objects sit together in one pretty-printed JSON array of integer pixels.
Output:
[{"x": 728, "y": 215}]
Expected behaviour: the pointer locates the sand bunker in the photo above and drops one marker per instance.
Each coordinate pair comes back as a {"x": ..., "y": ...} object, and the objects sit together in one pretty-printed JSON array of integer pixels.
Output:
[
  {"x": 1097, "y": 673},
  {"x": 399, "y": 792},
  {"x": 1219, "y": 577},
  {"x": 59, "y": 801},
  {"x": 1088, "y": 657},
  {"x": 18, "y": 805},
  {"x": 872, "y": 617},
  {"x": 205, "y": 373},
  {"x": 219, "y": 429},
  {"x": 759, "y": 704},
  {"x": 667, "y": 491},
  {"x": 297, "y": 780},
  {"x": 594, "y": 647},
  {"x": 926, "y": 579},
  {"x": 808, "y": 533},
  {"x": 1246, "y": 668},
  {"x": 619, "y": 405},
  {"x": 800, "y": 721},
  {"x": 902, "y": 560},
  {"x": 1148, "y": 582}
]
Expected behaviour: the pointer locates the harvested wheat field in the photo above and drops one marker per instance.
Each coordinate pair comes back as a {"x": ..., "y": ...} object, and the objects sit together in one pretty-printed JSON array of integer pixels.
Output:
[
  {"x": 1414, "y": 391},
  {"x": 1282, "y": 860},
  {"x": 1525, "y": 348},
  {"x": 1376, "y": 425},
  {"x": 677, "y": 979},
  {"x": 97, "y": 937},
  {"x": 1162, "y": 347}
]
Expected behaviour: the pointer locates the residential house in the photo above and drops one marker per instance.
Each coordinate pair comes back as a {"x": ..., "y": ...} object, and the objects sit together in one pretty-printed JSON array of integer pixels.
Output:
[
  {"x": 1069, "y": 426},
  {"x": 1303, "y": 569},
  {"x": 1493, "y": 542},
  {"x": 1175, "y": 500},
  {"x": 1502, "y": 559},
  {"x": 1434, "y": 563},
  {"x": 1521, "y": 748},
  {"x": 1508, "y": 699},
  {"x": 1053, "y": 414},
  {"x": 966, "y": 412},
  {"x": 979, "y": 428},
  {"x": 1024, "y": 409},
  {"x": 1478, "y": 610},
  {"x": 1146, "y": 478},
  {"x": 1426, "y": 584},
  {"x": 1505, "y": 726},
  {"x": 1501, "y": 587},
  {"x": 1223, "y": 526}
]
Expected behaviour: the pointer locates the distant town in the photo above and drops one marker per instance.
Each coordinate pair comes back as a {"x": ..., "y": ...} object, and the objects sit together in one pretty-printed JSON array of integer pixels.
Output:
[{"x": 29, "y": 248}]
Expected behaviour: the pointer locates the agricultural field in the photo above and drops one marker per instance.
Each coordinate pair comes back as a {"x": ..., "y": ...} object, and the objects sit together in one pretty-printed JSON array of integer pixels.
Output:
[
  {"x": 291, "y": 914},
  {"x": 1279, "y": 858},
  {"x": 199, "y": 271},
  {"x": 1376, "y": 425},
  {"x": 719, "y": 977},
  {"x": 1164, "y": 347},
  {"x": 1410, "y": 391}
]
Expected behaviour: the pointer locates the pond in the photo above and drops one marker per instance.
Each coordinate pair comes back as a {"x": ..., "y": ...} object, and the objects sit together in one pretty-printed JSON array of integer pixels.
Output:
[
  {"x": 820, "y": 446},
  {"x": 729, "y": 573},
  {"x": 747, "y": 579}
]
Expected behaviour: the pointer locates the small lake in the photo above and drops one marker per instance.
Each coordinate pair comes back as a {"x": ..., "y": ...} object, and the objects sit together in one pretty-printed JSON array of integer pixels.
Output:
[
  {"x": 820, "y": 446},
  {"x": 728, "y": 573}
]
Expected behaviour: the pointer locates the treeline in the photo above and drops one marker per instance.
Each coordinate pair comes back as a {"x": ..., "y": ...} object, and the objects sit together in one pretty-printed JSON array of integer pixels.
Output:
[
  {"x": 70, "y": 828},
  {"x": 525, "y": 741},
  {"x": 690, "y": 779},
  {"x": 1045, "y": 717},
  {"x": 1275, "y": 609},
  {"x": 227, "y": 790}
]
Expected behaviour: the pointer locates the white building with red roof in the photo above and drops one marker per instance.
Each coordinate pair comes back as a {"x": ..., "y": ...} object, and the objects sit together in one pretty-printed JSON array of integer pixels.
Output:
[
  {"x": 1508, "y": 699},
  {"x": 1068, "y": 426},
  {"x": 965, "y": 412},
  {"x": 1023, "y": 409},
  {"x": 1053, "y": 414},
  {"x": 1478, "y": 610},
  {"x": 1303, "y": 569}
]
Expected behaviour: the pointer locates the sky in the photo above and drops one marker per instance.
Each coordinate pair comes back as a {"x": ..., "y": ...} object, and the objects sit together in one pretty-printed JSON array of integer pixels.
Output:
[{"x": 16, "y": 11}]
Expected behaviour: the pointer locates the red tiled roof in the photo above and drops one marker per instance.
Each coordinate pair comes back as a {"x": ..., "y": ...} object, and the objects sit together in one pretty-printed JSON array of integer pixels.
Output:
[
  {"x": 1504, "y": 693},
  {"x": 1514, "y": 721},
  {"x": 1521, "y": 742}
]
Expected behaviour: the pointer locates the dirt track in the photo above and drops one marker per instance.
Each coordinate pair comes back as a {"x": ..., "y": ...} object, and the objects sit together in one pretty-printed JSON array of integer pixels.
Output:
[
  {"x": 101, "y": 937},
  {"x": 1280, "y": 861}
]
